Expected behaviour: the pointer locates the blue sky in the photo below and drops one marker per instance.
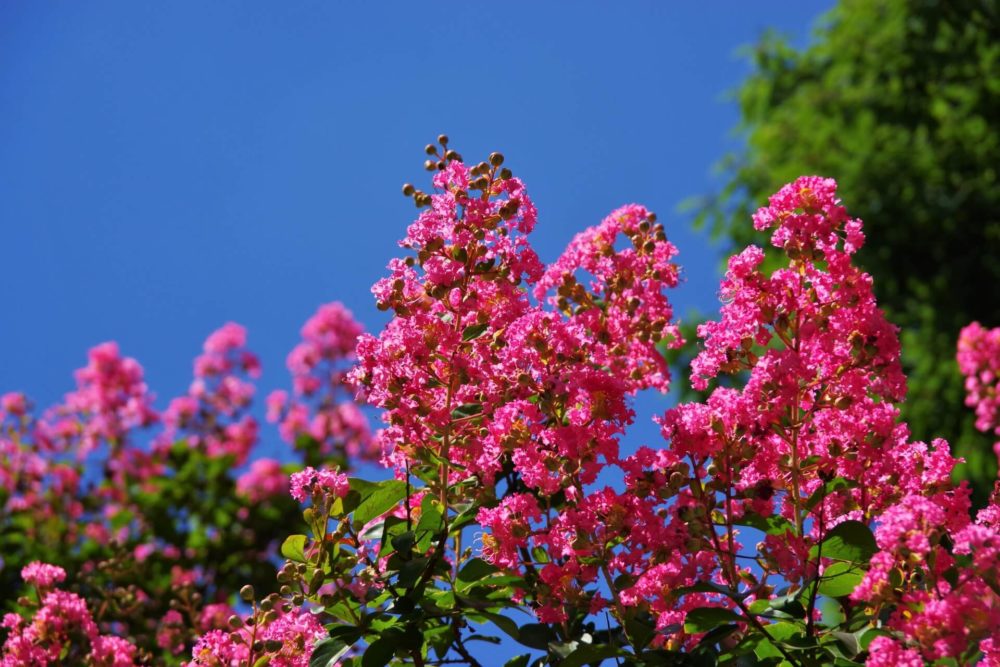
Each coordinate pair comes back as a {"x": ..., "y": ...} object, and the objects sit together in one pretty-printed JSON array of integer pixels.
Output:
[{"x": 168, "y": 167}]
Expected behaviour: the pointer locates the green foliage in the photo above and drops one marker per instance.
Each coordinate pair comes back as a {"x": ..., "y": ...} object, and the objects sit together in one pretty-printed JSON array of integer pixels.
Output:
[{"x": 899, "y": 101}]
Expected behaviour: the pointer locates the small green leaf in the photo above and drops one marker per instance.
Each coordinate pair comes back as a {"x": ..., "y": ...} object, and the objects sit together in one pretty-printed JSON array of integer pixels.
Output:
[
  {"x": 379, "y": 653},
  {"x": 702, "y": 587},
  {"x": 411, "y": 572},
  {"x": 789, "y": 605},
  {"x": 306, "y": 442},
  {"x": 776, "y": 632},
  {"x": 704, "y": 619},
  {"x": 848, "y": 643},
  {"x": 771, "y": 525},
  {"x": 293, "y": 548},
  {"x": 378, "y": 499},
  {"x": 474, "y": 331},
  {"x": 851, "y": 541},
  {"x": 536, "y": 635},
  {"x": 840, "y": 579},
  {"x": 404, "y": 543},
  {"x": 518, "y": 661},
  {"x": 472, "y": 572},
  {"x": 327, "y": 651},
  {"x": 467, "y": 410},
  {"x": 506, "y": 624}
]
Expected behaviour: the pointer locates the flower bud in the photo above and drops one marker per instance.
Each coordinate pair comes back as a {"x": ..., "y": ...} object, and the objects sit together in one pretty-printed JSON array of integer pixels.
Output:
[
  {"x": 496, "y": 159},
  {"x": 246, "y": 593}
]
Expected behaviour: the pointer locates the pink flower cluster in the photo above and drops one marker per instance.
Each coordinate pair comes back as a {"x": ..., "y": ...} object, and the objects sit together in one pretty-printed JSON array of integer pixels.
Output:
[
  {"x": 43, "y": 459},
  {"x": 476, "y": 380},
  {"x": 294, "y": 634},
  {"x": 43, "y": 575},
  {"x": 321, "y": 418},
  {"x": 61, "y": 630},
  {"x": 823, "y": 370},
  {"x": 522, "y": 396},
  {"x": 943, "y": 601},
  {"x": 111, "y": 398},
  {"x": 263, "y": 481},
  {"x": 311, "y": 483},
  {"x": 213, "y": 416},
  {"x": 80, "y": 478},
  {"x": 979, "y": 362}
]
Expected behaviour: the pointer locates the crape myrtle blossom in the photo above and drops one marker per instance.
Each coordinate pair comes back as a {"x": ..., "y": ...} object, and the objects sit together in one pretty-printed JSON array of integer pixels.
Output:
[
  {"x": 506, "y": 387},
  {"x": 143, "y": 514},
  {"x": 286, "y": 638},
  {"x": 979, "y": 362},
  {"x": 214, "y": 415},
  {"x": 944, "y": 602},
  {"x": 320, "y": 417},
  {"x": 58, "y": 629},
  {"x": 515, "y": 393},
  {"x": 43, "y": 575},
  {"x": 522, "y": 399}
]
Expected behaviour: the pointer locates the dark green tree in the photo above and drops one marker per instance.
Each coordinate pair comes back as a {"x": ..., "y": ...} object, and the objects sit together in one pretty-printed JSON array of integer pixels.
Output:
[{"x": 899, "y": 101}]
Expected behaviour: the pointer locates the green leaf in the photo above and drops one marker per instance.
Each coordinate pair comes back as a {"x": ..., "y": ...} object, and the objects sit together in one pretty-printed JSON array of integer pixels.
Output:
[
  {"x": 518, "y": 661},
  {"x": 506, "y": 624},
  {"x": 840, "y": 579},
  {"x": 293, "y": 548},
  {"x": 849, "y": 643},
  {"x": 472, "y": 573},
  {"x": 404, "y": 543},
  {"x": 850, "y": 541},
  {"x": 704, "y": 619},
  {"x": 379, "y": 653},
  {"x": 378, "y": 499},
  {"x": 466, "y": 410},
  {"x": 789, "y": 605},
  {"x": 778, "y": 632},
  {"x": 327, "y": 651},
  {"x": 587, "y": 654},
  {"x": 771, "y": 525},
  {"x": 306, "y": 442},
  {"x": 532, "y": 635},
  {"x": 474, "y": 331},
  {"x": 702, "y": 587},
  {"x": 430, "y": 523},
  {"x": 536, "y": 635},
  {"x": 411, "y": 572}
]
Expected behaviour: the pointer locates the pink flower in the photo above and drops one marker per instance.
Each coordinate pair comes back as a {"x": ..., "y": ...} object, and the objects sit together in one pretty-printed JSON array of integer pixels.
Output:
[
  {"x": 43, "y": 575},
  {"x": 264, "y": 480},
  {"x": 310, "y": 482}
]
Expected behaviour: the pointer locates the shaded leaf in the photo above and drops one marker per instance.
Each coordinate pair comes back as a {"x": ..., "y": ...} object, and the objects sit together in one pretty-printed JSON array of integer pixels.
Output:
[
  {"x": 704, "y": 619},
  {"x": 293, "y": 548}
]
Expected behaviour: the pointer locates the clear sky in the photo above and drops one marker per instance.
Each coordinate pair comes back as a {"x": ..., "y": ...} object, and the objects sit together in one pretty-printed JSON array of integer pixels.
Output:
[{"x": 167, "y": 167}]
